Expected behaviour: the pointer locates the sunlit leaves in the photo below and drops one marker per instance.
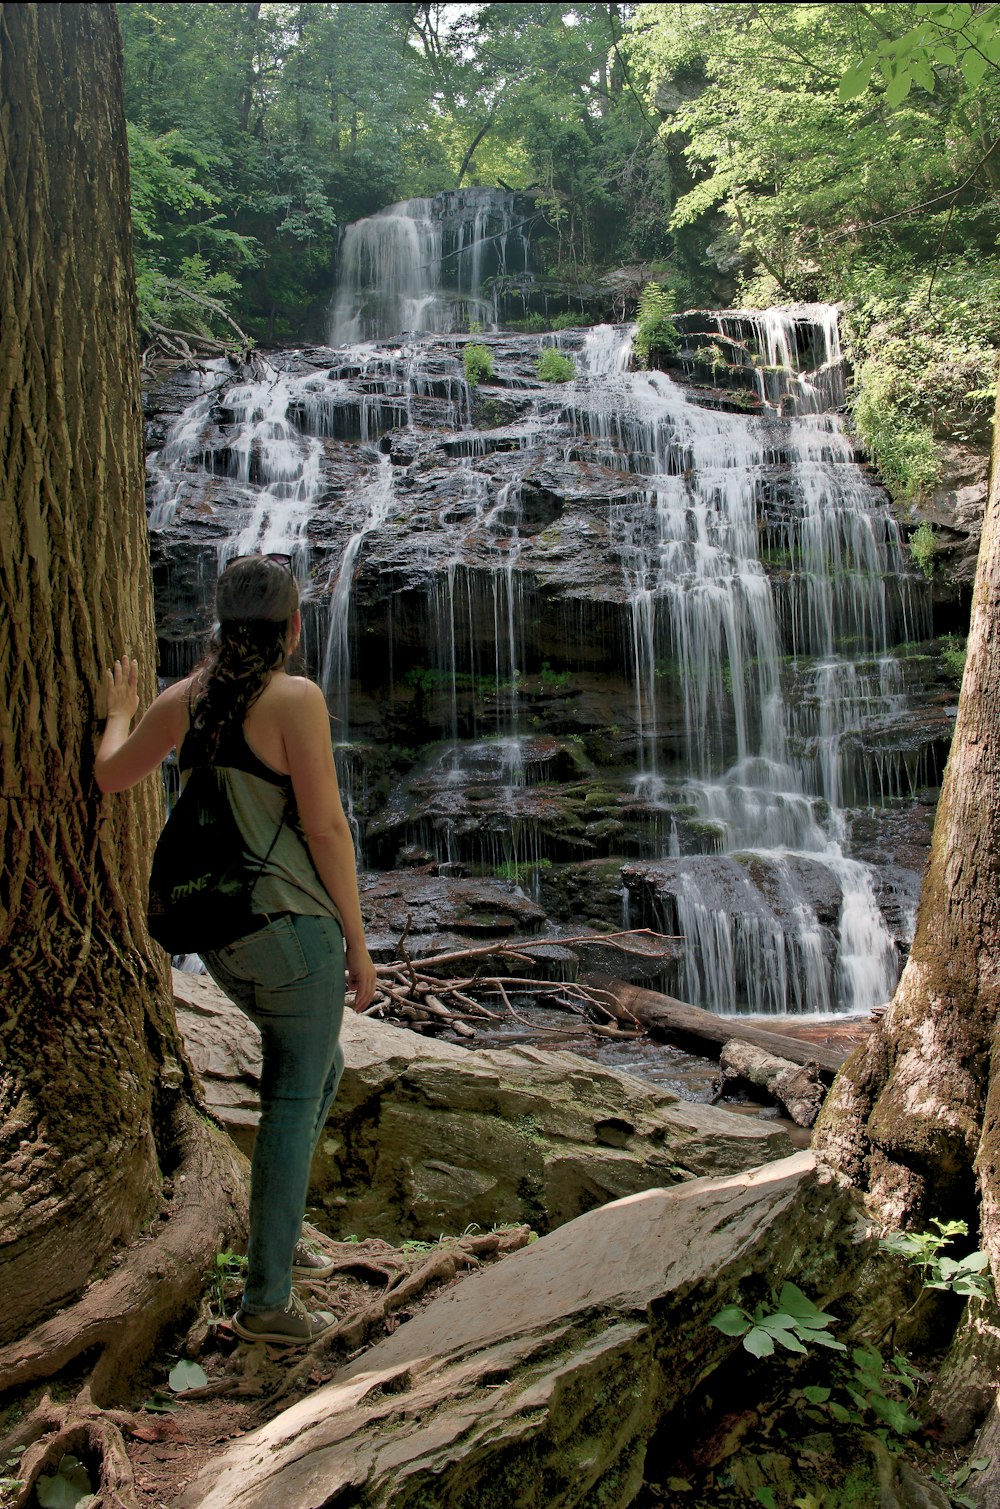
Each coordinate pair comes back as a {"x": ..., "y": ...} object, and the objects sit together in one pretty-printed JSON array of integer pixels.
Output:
[{"x": 945, "y": 37}]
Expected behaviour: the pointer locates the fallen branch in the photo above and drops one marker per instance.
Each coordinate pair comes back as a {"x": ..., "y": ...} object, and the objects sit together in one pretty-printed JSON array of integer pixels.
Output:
[
  {"x": 412, "y": 991},
  {"x": 678, "y": 1021},
  {"x": 796, "y": 1086}
]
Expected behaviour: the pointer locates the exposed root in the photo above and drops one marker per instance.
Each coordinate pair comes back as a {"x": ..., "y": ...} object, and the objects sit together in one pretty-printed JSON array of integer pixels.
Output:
[
  {"x": 90, "y": 1434},
  {"x": 121, "y": 1316},
  {"x": 366, "y": 1325}
]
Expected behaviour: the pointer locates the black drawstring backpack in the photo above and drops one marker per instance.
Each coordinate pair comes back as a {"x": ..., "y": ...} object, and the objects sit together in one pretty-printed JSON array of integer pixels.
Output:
[{"x": 203, "y": 876}]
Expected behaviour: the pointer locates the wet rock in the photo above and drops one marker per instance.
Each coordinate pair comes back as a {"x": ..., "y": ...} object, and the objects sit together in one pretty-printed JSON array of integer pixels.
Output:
[{"x": 442, "y": 912}]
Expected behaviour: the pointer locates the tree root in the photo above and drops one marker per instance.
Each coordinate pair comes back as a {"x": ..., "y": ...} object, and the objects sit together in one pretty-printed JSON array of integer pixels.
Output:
[
  {"x": 358, "y": 1330},
  {"x": 81, "y": 1429},
  {"x": 160, "y": 1275}
]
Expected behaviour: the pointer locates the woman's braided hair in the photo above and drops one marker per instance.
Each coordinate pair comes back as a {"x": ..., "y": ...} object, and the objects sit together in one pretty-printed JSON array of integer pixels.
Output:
[{"x": 254, "y": 600}]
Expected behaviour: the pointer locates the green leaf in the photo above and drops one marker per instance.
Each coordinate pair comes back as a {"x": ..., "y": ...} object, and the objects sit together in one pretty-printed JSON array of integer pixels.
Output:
[
  {"x": 766, "y": 1497},
  {"x": 777, "y": 1323},
  {"x": 830, "y": 1342},
  {"x": 66, "y": 1487},
  {"x": 974, "y": 66},
  {"x": 161, "y": 1405},
  {"x": 794, "y": 1302},
  {"x": 839, "y": 1413},
  {"x": 732, "y": 1321},
  {"x": 855, "y": 80},
  {"x": 897, "y": 85},
  {"x": 815, "y": 1394},
  {"x": 789, "y": 1340},
  {"x": 758, "y": 1343},
  {"x": 187, "y": 1375}
]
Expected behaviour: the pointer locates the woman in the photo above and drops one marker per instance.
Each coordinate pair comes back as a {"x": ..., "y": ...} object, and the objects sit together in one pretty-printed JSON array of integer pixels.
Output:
[{"x": 269, "y": 733}]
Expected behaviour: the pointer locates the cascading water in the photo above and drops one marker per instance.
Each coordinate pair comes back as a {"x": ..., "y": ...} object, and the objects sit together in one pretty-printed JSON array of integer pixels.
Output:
[
  {"x": 422, "y": 264},
  {"x": 632, "y": 621},
  {"x": 765, "y": 771}
]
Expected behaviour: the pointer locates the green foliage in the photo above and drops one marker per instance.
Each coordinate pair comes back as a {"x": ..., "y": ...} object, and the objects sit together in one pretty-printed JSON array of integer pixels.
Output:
[
  {"x": 478, "y": 362},
  {"x": 945, "y": 37},
  {"x": 923, "y": 548},
  {"x": 968, "y": 1276},
  {"x": 185, "y": 1376},
  {"x": 66, "y": 1487},
  {"x": 227, "y": 1269},
  {"x": 514, "y": 870},
  {"x": 870, "y": 1386},
  {"x": 532, "y": 324},
  {"x": 656, "y": 331},
  {"x": 554, "y": 366},
  {"x": 795, "y": 1321},
  {"x": 953, "y": 649},
  {"x": 553, "y": 679}
]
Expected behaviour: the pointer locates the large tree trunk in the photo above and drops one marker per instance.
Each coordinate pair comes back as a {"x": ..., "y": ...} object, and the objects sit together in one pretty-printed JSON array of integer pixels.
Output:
[
  {"x": 913, "y": 1118},
  {"x": 92, "y": 1075}
]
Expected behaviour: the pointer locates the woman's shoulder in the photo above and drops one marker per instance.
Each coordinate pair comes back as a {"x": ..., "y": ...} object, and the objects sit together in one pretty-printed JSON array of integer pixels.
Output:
[{"x": 294, "y": 691}]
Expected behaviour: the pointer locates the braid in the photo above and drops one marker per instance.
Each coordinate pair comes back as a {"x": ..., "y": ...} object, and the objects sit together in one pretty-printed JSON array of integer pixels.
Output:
[{"x": 255, "y": 600}]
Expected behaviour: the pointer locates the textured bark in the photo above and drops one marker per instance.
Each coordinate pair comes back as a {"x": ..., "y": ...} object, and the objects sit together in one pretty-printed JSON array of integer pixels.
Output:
[
  {"x": 914, "y": 1117},
  {"x": 86, "y": 1028}
]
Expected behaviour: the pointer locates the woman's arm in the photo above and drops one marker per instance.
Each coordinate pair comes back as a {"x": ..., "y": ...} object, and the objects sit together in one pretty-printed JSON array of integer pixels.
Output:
[
  {"x": 123, "y": 758},
  {"x": 305, "y": 728}
]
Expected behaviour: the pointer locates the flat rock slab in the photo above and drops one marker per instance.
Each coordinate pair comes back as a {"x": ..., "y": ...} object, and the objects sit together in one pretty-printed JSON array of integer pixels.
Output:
[
  {"x": 541, "y": 1380},
  {"x": 427, "y": 1137}
]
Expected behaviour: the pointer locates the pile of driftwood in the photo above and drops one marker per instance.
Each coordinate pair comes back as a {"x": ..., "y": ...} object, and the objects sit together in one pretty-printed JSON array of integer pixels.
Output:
[
  {"x": 458, "y": 991},
  {"x": 451, "y": 990}
]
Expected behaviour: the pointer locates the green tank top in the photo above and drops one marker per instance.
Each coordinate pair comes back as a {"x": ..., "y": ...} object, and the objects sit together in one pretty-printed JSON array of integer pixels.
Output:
[{"x": 260, "y": 798}]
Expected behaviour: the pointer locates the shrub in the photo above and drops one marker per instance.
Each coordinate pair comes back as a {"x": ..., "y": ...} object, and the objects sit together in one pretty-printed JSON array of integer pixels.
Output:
[
  {"x": 553, "y": 366},
  {"x": 478, "y": 364},
  {"x": 953, "y": 652},
  {"x": 923, "y": 546},
  {"x": 656, "y": 329}
]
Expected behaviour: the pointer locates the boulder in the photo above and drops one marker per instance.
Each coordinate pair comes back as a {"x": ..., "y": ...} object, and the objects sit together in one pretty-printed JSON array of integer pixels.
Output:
[
  {"x": 428, "y": 1136},
  {"x": 540, "y": 1381}
]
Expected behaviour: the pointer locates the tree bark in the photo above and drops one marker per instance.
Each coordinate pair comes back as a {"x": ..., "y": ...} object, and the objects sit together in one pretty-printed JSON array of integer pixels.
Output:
[
  {"x": 914, "y": 1117},
  {"x": 87, "y": 1035}
]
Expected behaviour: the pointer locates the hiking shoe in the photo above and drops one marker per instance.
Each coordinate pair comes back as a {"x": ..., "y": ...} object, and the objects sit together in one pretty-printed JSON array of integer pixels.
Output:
[
  {"x": 294, "y": 1326},
  {"x": 309, "y": 1264}
]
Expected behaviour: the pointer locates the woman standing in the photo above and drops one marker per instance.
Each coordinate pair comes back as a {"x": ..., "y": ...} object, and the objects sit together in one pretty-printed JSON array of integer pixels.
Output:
[{"x": 268, "y": 735}]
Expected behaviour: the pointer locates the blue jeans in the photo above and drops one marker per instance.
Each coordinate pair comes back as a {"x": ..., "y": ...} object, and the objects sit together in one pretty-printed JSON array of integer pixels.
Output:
[{"x": 289, "y": 979}]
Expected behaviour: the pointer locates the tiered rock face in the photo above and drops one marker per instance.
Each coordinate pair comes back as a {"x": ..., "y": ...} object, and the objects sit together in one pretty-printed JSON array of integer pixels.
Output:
[{"x": 645, "y": 645}]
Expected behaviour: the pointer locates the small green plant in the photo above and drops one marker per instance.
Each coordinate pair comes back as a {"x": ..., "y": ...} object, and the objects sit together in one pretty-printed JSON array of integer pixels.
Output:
[
  {"x": 185, "y": 1376},
  {"x": 475, "y": 327},
  {"x": 553, "y": 366},
  {"x": 795, "y": 1321},
  {"x": 550, "y": 678},
  {"x": 923, "y": 548},
  {"x": 967, "y": 1276},
  {"x": 533, "y": 324},
  {"x": 656, "y": 331},
  {"x": 953, "y": 653},
  {"x": 68, "y": 1486},
  {"x": 951, "y": 1483},
  {"x": 9, "y": 1483},
  {"x": 478, "y": 362},
  {"x": 227, "y": 1268},
  {"x": 514, "y": 870}
]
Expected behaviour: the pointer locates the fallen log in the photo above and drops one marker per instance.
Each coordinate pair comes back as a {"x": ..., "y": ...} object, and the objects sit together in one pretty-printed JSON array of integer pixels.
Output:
[
  {"x": 797, "y": 1086},
  {"x": 677, "y": 1021}
]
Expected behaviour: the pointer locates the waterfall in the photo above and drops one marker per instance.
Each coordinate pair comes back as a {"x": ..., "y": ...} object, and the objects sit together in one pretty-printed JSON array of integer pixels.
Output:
[
  {"x": 649, "y": 617},
  {"x": 423, "y": 265},
  {"x": 702, "y": 604}
]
